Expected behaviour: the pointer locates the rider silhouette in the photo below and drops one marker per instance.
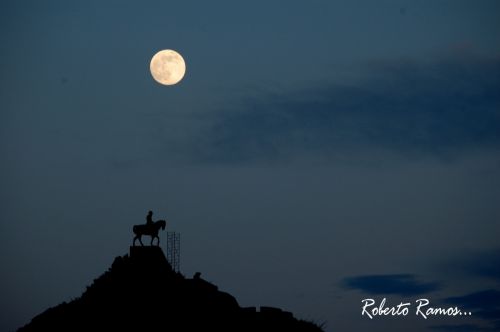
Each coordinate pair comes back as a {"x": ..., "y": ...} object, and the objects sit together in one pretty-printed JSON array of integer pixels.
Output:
[{"x": 149, "y": 218}]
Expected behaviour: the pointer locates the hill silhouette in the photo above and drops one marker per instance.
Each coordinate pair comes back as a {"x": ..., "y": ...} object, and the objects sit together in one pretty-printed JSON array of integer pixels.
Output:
[{"x": 141, "y": 292}]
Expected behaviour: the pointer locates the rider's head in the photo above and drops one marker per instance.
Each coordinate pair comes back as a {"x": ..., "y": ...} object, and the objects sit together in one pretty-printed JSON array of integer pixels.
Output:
[{"x": 150, "y": 212}]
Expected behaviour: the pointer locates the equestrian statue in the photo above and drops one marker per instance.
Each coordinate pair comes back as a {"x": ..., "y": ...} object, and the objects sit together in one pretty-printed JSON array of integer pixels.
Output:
[{"x": 151, "y": 228}]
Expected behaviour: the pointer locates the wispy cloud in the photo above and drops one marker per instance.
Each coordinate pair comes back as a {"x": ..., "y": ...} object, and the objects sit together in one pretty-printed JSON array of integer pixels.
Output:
[
  {"x": 403, "y": 106},
  {"x": 400, "y": 284}
]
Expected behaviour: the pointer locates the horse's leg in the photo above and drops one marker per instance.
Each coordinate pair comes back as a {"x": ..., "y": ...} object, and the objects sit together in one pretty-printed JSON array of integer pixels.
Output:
[
  {"x": 135, "y": 238},
  {"x": 140, "y": 240},
  {"x": 157, "y": 237}
]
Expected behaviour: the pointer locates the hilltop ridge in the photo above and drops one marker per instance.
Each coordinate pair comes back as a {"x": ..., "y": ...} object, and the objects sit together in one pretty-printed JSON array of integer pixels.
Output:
[{"x": 141, "y": 291}]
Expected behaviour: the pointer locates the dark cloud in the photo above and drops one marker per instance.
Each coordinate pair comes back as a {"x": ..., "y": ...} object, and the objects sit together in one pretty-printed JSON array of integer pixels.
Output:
[
  {"x": 461, "y": 328},
  {"x": 407, "y": 107},
  {"x": 483, "y": 304},
  {"x": 401, "y": 284}
]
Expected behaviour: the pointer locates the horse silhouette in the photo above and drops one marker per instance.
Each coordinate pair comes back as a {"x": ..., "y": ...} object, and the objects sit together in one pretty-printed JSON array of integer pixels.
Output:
[{"x": 151, "y": 230}]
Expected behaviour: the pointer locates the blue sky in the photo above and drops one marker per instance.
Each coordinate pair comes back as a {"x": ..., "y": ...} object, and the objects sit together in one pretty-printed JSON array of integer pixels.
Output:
[{"x": 309, "y": 145}]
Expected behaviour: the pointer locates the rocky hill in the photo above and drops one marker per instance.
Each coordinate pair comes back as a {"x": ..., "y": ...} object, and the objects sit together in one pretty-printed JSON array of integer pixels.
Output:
[{"x": 141, "y": 292}]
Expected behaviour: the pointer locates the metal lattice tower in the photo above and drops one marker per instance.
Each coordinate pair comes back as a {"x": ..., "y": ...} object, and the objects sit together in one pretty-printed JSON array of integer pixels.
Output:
[{"x": 174, "y": 250}]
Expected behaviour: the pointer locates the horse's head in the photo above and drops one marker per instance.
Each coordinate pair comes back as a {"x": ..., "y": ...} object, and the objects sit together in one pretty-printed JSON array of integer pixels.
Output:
[{"x": 162, "y": 224}]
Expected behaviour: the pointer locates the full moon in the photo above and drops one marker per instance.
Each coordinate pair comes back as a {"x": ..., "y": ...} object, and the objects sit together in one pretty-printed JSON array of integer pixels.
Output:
[{"x": 167, "y": 67}]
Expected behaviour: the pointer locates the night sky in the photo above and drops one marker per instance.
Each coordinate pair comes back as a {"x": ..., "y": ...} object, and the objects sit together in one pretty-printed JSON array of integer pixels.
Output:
[{"x": 315, "y": 154}]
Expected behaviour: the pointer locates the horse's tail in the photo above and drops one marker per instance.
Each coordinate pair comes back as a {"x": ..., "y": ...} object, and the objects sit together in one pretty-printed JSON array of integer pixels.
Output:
[{"x": 134, "y": 229}]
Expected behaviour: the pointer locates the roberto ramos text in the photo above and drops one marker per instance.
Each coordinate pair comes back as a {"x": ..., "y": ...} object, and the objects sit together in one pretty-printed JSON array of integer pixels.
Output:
[{"x": 420, "y": 308}]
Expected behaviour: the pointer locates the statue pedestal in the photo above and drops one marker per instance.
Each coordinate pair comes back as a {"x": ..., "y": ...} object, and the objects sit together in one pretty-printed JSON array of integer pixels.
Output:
[{"x": 148, "y": 255}]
